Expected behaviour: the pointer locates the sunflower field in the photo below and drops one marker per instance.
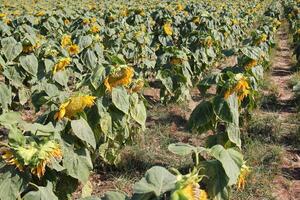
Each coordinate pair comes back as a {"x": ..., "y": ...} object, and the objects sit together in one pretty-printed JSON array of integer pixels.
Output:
[{"x": 73, "y": 76}]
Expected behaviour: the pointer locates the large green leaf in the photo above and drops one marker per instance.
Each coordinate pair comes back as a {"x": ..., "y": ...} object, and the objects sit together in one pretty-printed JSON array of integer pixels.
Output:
[
  {"x": 114, "y": 196},
  {"x": 29, "y": 64},
  {"x": 77, "y": 162},
  {"x": 231, "y": 161},
  {"x": 138, "y": 113},
  {"x": 202, "y": 117},
  {"x": 222, "y": 109},
  {"x": 83, "y": 131},
  {"x": 120, "y": 99},
  {"x": 11, "y": 183},
  {"x": 5, "y": 96},
  {"x": 183, "y": 149},
  {"x": 43, "y": 193},
  {"x": 11, "y": 48},
  {"x": 215, "y": 180},
  {"x": 156, "y": 182}
]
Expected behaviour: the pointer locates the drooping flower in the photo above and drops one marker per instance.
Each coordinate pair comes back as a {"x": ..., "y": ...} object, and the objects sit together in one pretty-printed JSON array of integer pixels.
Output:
[
  {"x": 66, "y": 41},
  {"x": 67, "y": 22},
  {"x": 208, "y": 41},
  {"x": 2, "y": 15},
  {"x": 34, "y": 156},
  {"x": 86, "y": 21},
  {"x": 179, "y": 7},
  {"x": 196, "y": 20},
  {"x": 168, "y": 29},
  {"x": 175, "y": 61},
  {"x": 244, "y": 173},
  {"x": 74, "y": 105},
  {"x": 10, "y": 159},
  {"x": 62, "y": 64},
  {"x": 121, "y": 77},
  {"x": 187, "y": 188},
  {"x": 95, "y": 28},
  {"x": 241, "y": 89},
  {"x": 250, "y": 64},
  {"x": 40, "y": 14},
  {"x": 73, "y": 49}
]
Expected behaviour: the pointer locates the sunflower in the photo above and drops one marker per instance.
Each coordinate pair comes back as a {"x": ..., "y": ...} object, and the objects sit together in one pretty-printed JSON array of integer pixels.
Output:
[
  {"x": 65, "y": 41},
  {"x": 73, "y": 49},
  {"x": 196, "y": 20},
  {"x": 179, "y": 7},
  {"x": 67, "y": 22},
  {"x": 250, "y": 64},
  {"x": 40, "y": 14},
  {"x": 2, "y": 15},
  {"x": 34, "y": 156},
  {"x": 175, "y": 61},
  {"x": 168, "y": 29},
  {"x": 10, "y": 159},
  {"x": 241, "y": 89},
  {"x": 62, "y": 64},
  {"x": 208, "y": 41},
  {"x": 122, "y": 77},
  {"x": 95, "y": 28},
  {"x": 74, "y": 105},
  {"x": 244, "y": 173},
  {"x": 187, "y": 188},
  {"x": 86, "y": 21}
]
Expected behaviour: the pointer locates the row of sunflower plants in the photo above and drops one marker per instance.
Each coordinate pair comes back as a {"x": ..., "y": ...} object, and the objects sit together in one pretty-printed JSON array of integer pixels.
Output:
[
  {"x": 78, "y": 77},
  {"x": 220, "y": 165},
  {"x": 292, "y": 11}
]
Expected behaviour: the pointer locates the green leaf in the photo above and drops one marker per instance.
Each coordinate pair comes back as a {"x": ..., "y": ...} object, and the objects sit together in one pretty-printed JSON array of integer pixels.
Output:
[
  {"x": 222, "y": 109},
  {"x": 43, "y": 193},
  {"x": 83, "y": 131},
  {"x": 231, "y": 161},
  {"x": 215, "y": 180},
  {"x": 120, "y": 99},
  {"x": 183, "y": 149},
  {"x": 138, "y": 113},
  {"x": 87, "y": 189},
  {"x": 156, "y": 182},
  {"x": 114, "y": 196},
  {"x": 11, "y": 48},
  {"x": 85, "y": 41},
  {"x": 24, "y": 95},
  {"x": 202, "y": 117},
  {"x": 12, "y": 183},
  {"x": 234, "y": 134},
  {"x": 5, "y": 96},
  {"x": 61, "y": 77},
  {"x": 29, "y": 64},
  {"x": 77, "y": 162}
]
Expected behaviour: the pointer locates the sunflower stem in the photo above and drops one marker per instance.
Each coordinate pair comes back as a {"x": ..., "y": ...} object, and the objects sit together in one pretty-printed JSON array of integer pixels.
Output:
[{"x": 34, "y": 185}]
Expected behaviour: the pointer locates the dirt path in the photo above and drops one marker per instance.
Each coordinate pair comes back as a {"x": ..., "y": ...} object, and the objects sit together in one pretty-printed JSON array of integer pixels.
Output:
[{"x": 286, "y": 184}]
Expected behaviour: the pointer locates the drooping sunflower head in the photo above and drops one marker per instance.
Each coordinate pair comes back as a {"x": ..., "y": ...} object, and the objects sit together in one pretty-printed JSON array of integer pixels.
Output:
[
  {"x": 122, "y": 77},
  {"x": 208, "y": 41},
  {"x": 73, "y": 49},
  {"x": 33, "y": 155},
  {"x": 167, "y": 27},
  {"x": 244, "y": 173},
  {"x": 179, "y": 7},
  {"x": 241, "y": 88},
  {"x": 95, "y": 28},
  {"x": 176, "y": 61},
  {"x": 74, "y": 105},
  {"x": 66, "y": 41},
  {"x": 251, "y": 63},
  {"x": 62, "y": 64},
  {"x": 187, "y": 188},
  {"x": 2, "y": 15}
]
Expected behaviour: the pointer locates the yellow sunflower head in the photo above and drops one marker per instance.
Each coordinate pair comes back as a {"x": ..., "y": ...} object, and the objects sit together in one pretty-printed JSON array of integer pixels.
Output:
[
  {"x": 62, "y": 64},
  {"x": 73, "y": 49},
  {"x": 74, "y": 105},
  {"x": 244, "y": 173},
  {"x": 250, "y": 64},
  {"x": 95, "y": 28},
  {"x": 65, "y": 41},
  {"x": 121, "y": 77},
  {"x": 168, "y": 29}
]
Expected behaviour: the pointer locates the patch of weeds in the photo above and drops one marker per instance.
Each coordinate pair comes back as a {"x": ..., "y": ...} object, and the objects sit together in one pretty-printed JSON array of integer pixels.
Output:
[
  {"x": 266, "y": 128},
  {"x": 294, "y": 80},
  {"x": 264, "y": 160}
]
